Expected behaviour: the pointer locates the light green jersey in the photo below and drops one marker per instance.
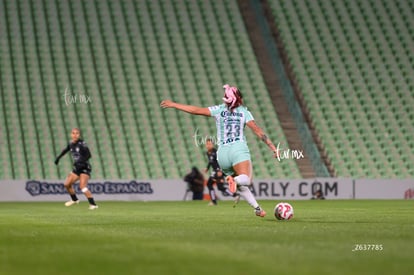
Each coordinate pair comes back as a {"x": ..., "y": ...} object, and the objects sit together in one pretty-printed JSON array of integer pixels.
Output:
[{"x": 230, "y": 125}]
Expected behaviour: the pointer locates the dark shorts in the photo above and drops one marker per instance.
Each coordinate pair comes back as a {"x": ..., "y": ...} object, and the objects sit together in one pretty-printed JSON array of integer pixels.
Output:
[
  {"x": 217, "y": 175},
  {"x": 215, "y": 178},
  {"x": 82, "y": 169}
]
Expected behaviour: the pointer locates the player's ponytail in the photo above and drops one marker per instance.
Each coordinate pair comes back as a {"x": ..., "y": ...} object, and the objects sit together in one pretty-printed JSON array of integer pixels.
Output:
[{"x": 232, "y": 97}]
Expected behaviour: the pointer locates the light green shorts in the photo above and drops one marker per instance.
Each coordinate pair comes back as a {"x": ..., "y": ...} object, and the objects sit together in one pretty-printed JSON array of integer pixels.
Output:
[{"x": 230, "y": 154}]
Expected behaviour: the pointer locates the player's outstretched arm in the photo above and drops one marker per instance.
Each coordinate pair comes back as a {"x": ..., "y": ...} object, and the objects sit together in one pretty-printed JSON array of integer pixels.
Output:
[
  {"x": 260, "y": 133},
  {"x": 194, "y": 110},
  {"x": 64, "y": 151}
]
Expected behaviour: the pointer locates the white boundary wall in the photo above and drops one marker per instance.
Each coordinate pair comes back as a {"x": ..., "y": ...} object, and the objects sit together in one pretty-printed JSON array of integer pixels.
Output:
[
  {"x": 175, "y": 190},
  {"x": 384, "y": 189}
]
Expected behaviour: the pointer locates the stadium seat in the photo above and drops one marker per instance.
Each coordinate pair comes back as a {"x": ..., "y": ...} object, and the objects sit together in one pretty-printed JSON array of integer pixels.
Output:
[
  {"x": 126, "y": 56},
  {"x": 352, "y": 66}
]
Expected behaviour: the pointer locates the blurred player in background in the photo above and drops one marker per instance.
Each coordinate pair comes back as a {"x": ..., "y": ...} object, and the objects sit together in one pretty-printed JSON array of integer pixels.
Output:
[
  {"x": 216, "y": 176},
  {"x": 81, "y": 168},
  {"x": 195, "y": 181},
  {"x": 233, "y": 154}
]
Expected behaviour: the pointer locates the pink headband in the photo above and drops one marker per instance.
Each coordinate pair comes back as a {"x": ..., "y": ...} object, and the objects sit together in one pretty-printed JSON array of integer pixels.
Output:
[{"x": 230, "y": 95}]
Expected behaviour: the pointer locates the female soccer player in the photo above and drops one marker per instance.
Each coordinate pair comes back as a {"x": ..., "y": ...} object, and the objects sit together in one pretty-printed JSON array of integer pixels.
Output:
[
  {"x": 233, "y": 153},
  {"x": 81, "y": 169}
]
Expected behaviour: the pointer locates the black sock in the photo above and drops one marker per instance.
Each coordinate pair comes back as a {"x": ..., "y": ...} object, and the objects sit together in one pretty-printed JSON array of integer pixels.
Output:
[
  {"x": 74, "y": 198},
  {"x": 91, "y": 201}
]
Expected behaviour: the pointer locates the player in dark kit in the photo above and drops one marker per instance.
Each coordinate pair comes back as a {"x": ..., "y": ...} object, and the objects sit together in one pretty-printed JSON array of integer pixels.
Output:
[
  {"x": 216, "y": 176},
  {"x": 81, "y": 169}
]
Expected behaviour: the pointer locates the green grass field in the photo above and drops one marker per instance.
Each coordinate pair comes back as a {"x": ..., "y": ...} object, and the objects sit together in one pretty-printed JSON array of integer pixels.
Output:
[{"x": 192, "y": 238}]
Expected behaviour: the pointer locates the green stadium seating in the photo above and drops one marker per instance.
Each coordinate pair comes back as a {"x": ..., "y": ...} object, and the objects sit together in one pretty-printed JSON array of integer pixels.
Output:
[
  {"x": 353, "y": 63},
  {"x": 126, "y": 56}
]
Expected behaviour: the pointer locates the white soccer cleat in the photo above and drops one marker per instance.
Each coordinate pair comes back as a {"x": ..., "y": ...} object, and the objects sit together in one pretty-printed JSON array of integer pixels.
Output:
[
  {"x": 92, "y": 207},
  {"x": 71, "y": 202}
]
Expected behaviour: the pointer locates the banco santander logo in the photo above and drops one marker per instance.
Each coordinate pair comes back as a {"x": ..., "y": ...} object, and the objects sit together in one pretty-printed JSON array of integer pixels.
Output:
[{"x": 36, "y": 188}]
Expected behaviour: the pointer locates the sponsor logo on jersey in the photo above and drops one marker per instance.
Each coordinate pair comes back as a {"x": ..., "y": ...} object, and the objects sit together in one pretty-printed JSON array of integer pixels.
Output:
[{"x": 227, "y": 113}]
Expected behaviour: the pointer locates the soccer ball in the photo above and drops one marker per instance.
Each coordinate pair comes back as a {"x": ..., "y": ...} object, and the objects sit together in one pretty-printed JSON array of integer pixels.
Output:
[{"x": 283, "y": 211}]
